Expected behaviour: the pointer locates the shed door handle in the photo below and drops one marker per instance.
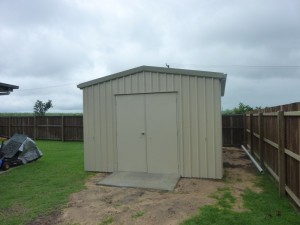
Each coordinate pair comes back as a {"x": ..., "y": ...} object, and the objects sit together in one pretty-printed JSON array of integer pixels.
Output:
[{"x": 143, "y": 133}]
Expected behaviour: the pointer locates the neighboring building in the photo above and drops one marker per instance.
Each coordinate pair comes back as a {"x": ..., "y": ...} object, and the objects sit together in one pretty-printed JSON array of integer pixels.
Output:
[
  {"x": 154, "y": 120},
  {"x": 5, "y": 89}
]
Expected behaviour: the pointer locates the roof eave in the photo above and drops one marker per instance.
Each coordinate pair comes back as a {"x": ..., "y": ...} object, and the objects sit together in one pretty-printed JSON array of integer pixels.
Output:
[
  {"x": 5, "y": 89},
  {"x": 153, "y": 69},
  {"x": 223, "y": 85}
]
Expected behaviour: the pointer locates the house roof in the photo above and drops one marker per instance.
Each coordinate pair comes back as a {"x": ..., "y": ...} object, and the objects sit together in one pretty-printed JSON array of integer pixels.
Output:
[
  {"x": 165, "y": 70},
  {"x": 5, "y": 89}
]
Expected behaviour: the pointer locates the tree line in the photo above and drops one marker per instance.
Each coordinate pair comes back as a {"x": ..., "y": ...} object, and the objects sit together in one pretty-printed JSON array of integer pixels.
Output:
[{"x": 240, "y": 109}]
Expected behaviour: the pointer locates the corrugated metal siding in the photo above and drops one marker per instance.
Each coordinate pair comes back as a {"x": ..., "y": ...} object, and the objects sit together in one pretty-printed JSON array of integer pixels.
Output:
[{"x": 199, "y": 121}]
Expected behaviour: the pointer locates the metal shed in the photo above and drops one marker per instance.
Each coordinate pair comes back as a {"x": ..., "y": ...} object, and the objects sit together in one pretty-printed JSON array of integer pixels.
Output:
[{"x": 154, "y": 120}]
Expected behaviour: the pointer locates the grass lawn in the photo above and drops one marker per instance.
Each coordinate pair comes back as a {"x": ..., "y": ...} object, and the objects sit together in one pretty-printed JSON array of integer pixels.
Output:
[
  {"x": 265, "y": 208},
  {"x": 41, "y": 187}
]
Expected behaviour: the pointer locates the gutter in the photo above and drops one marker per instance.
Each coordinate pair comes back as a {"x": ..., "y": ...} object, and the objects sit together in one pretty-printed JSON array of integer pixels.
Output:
[{"x": 253, "y": 160}]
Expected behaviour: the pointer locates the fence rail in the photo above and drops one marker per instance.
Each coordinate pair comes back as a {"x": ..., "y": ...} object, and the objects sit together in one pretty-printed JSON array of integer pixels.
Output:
[
  {"x": 273, "y": 136},
  {"x": 63, "y": 128}
]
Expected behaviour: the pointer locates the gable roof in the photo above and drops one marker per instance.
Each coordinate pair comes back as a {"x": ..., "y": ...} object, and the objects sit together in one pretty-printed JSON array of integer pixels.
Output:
[
  {"x": 5, "y": 89},
  {"x": 165, "y": 70}
]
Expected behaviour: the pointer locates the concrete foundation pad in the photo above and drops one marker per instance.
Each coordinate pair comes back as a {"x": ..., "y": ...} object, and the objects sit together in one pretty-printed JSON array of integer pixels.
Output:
[{"x": 141, "y": 180}]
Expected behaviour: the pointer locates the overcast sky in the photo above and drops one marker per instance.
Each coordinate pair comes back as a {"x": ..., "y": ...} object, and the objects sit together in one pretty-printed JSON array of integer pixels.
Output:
[{"x": 47, "y": 47}]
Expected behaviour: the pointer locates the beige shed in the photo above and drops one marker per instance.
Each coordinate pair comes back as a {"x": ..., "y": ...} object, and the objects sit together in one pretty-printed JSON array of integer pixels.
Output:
[{"x": 154, "y": 120}]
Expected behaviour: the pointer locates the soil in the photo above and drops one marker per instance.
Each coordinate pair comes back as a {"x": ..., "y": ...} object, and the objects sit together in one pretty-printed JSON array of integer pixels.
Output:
[{"x": 114, "y": 205}]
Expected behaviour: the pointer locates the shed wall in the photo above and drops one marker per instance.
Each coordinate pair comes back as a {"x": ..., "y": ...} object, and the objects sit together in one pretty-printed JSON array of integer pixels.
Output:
[{"x": 199, "y": 121}]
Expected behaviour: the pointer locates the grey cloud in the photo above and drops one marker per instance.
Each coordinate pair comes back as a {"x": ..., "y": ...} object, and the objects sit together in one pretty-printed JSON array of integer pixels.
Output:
[{"x": 48, "y": 43}]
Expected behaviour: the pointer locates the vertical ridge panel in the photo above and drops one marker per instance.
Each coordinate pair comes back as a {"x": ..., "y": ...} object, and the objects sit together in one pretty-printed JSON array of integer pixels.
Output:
[
  {"x": 186, "y": 125},
  {"x": 114, "y": 124},
  {"x": 194, "y": 126},
  {"x": 97, "y": 124},
  {"x": 163, "y": 82},
  {"x": 210, "y": 129},
  {"x": 155, "y": 82},
  {"x": 141, "y": 83},
  {"x": 148, "y": 82},
  {"x": 218, "y": 129},
  {"x": 170, "y": 82},
  {"x": 102, "y": 141},
  {"x": 88, "y": 148},
  {"x": 128, "y": 85},
  {"x": 121, "y": 85},
  {"x": 178, "y": 87},
  {"x": 109, "y": 125},
  {"x": 134, "y": 83},
  {"x": 202, "y": 135}
]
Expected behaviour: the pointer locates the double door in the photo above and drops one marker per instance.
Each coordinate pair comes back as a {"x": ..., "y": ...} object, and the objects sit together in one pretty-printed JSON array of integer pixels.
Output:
[{"x": 147, "y": 133}]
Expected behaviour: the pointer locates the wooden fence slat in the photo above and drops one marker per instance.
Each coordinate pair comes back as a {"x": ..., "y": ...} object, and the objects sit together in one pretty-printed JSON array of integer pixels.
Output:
[
  {"x": 281, "y": 153},
  {"x": 245, "y": 129},
  {"x": 261, "y": 139},
  {"x": 62, "y": 128},
  {"x": 251, "y": 134}
]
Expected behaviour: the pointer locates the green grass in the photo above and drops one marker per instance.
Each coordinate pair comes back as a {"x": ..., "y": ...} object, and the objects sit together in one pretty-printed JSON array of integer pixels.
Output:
[
  {"x": 138, "y": 214},
  {"x": 265, "y": 208},
  {"x": 39, "y": 188},
  {"x": 224, "y": 198},
  {"x": 109, "y": 220}
]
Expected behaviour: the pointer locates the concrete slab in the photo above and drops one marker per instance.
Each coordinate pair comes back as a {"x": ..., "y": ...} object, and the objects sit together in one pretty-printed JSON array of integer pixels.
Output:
[{"x": 165, "y": 182}]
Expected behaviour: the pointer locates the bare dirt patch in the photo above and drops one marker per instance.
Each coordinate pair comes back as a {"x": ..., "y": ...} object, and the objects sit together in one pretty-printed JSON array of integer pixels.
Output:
[
  {"x": 114, "y": 205},
  {"x": 239, "y": 174}
]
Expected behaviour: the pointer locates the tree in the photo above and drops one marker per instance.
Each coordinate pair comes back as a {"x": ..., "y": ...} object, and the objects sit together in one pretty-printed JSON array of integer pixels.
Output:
[
  {"x": 241, "y": 109},
  {"x": 41, "y": 108}
]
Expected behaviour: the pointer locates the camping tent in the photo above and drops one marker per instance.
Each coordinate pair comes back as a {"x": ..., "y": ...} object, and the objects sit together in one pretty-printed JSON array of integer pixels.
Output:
[{"x": 20, "y": 149}]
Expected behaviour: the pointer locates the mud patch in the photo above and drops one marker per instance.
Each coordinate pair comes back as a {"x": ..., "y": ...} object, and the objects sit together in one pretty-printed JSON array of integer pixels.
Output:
[{"x": 52, "y": 218}]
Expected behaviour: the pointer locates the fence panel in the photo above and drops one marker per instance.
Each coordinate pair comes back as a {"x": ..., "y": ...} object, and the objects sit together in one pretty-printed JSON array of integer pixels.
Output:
[
  {"x": 62, "y": 128},
  {"x": 70, "y": 128},
  {"x": 73, "y": 128},
  {"x": 280, "y": 145},
  {"x": 233, "y": 130}
]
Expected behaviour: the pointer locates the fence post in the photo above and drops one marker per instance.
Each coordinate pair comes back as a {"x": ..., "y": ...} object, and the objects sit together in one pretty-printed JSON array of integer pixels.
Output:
[
  {"x": 231, "y": 129},
  {"x": 34, "y": 127},
  {"x": 245, "y": 130},
  {"x": 9, "y": 126},
  {"x": 281, "y": 153},
  {"x": 251, "y": 134},
  {"x": 62, "y": 128},
  {"x": 23, "y": 125},
  {"x": 261, "y": 138}
]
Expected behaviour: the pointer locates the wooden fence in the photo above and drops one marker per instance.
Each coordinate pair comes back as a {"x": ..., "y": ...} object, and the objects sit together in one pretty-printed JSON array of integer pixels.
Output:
[
  {"x": 63, "y": 128},
  {"x": 70, "y": 128},
  {"x": 273, "y": 137},
  {"x": 233, "y": 130}
]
